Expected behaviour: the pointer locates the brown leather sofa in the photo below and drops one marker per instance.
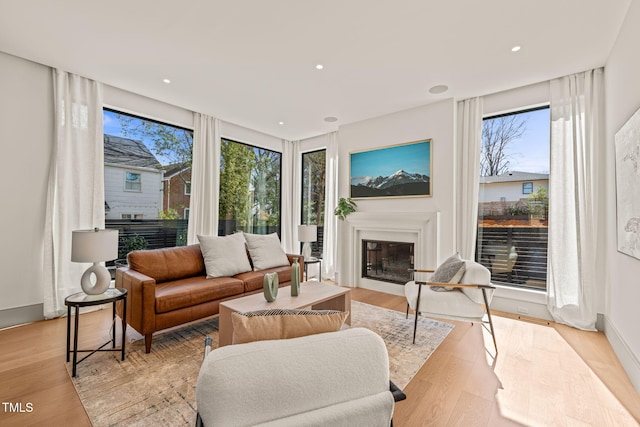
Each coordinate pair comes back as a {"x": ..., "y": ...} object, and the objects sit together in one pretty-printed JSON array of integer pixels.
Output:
[{"x": 168, "y": 287}]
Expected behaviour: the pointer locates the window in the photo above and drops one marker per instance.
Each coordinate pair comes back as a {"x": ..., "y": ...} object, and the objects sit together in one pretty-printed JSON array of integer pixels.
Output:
[
  {"x": 186, "y": 213},
  {"x": 187, "y": 188},
  {"x": 145, "y": 151},
  {"x": 513, "y": 202},
  {"x": 249, "y": 189},
  {"x": 132, "y": 182},
  {"x": 313, "y": 194}
]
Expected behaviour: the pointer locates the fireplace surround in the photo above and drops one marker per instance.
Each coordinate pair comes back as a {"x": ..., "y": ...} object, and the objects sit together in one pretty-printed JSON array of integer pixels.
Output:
[{"x": 419, "y": 228}]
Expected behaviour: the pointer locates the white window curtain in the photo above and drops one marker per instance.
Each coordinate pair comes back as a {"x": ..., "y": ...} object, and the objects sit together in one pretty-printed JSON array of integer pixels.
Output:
[
  {"x": 576, "y": 142},
  {"x": 205, "y": 176},
  {"x": 330, "y": 243},
  {"x": 290, "y": 191},
  {"x": 468, "y": 144},
  {"x": 75, "y": 194}
]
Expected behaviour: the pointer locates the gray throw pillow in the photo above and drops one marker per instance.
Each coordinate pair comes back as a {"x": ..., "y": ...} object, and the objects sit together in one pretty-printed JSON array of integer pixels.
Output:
[
  {"x": 266, "y": 251},
  {"x": 450, "y": 271}
]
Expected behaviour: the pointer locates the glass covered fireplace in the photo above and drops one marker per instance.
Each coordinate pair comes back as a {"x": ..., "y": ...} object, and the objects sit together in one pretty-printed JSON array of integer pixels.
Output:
[{"x": 387, "y": 261}]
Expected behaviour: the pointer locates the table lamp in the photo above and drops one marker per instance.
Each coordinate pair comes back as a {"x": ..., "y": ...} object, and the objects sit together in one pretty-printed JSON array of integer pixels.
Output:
[
  {"x": 307, "y": 234},
  {"x": 94, "y": 246}
]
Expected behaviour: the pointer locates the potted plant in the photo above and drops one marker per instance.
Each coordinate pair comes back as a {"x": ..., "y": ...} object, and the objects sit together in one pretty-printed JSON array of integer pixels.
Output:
[{"x": 345, "y": 207}]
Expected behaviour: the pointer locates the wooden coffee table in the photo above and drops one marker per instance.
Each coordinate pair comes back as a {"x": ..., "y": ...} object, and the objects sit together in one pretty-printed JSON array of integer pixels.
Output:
[{"x": 317, "y": 295}]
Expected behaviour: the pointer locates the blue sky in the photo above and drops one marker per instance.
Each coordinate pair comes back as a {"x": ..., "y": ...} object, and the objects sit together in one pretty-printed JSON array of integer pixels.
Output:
[
  {"x": 412, "y": 158},
  {"x": 531, "y": 152},
  {"x": 112, "y": 127}
]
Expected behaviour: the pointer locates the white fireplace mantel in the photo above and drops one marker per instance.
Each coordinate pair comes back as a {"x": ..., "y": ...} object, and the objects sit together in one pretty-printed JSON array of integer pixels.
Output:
[{"x": 420, "y": 228}]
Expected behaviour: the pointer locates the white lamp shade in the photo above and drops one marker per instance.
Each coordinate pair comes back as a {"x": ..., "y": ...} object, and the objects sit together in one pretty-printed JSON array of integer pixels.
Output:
[
  {"x": 307, "y": 233},
  {"x": 94, "y": 245}
]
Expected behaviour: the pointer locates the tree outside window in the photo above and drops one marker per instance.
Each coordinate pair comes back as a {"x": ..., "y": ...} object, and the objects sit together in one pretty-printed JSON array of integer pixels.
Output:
[
  {"x": 249, "y": 189},
  {"x": 313, "y": 194}
]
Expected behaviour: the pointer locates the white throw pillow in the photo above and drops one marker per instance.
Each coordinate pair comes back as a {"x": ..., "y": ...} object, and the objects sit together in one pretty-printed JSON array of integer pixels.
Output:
[
  {"x": 224, "y": 256},
  {"x": 266, "y": 251}
]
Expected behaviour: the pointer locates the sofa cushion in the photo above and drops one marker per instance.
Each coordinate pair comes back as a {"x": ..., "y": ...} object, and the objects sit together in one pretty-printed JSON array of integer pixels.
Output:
[
  {"x": 281, "y": 323},
  {"x": 254, "y": 280},
  {"x": 265, "y": 250},
  {"x": 193, "y": 291},
  {"x": 168, "y": 264},
  {"x": 224, "y": 255}
]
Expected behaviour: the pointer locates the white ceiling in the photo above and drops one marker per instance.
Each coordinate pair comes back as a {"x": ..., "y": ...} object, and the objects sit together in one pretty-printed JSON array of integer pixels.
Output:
[{"x": 252, "y": 62}]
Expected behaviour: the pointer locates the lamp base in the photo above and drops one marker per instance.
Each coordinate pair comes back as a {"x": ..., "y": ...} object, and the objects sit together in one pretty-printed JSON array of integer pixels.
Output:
[
  {"x": 306, "y": 250},
  {"x": 103, "y": 280}
]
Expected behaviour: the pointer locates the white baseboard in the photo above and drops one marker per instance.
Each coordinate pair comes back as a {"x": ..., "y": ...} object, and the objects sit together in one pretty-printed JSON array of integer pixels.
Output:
[
  {"x": 628, "y": 360},
  {"x": 20, "y": 315}
]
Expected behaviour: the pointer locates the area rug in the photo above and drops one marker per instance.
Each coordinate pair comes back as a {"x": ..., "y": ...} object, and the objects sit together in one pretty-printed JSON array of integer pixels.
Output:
[{"x": 159, "y": 388}]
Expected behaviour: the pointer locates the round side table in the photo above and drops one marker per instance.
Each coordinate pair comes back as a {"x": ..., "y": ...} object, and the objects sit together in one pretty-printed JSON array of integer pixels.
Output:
[
  {"x": 313, "y": 260},
  {"x": 80, "y": 299}
]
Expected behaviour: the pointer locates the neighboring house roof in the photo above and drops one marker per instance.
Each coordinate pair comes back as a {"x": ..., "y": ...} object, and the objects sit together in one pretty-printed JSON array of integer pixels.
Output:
[
  {"x": 172, "y": 170},
  {"x": 128, "y": 152},
  {"x": 514, "y": 176}
]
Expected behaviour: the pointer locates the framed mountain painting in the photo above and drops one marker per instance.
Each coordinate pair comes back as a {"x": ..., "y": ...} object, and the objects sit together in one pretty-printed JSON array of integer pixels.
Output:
[{"x": 402, "y": 170}]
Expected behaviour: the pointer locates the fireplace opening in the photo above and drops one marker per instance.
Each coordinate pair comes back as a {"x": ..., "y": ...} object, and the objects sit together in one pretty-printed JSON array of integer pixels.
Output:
[{"x": 387, "y": 261}]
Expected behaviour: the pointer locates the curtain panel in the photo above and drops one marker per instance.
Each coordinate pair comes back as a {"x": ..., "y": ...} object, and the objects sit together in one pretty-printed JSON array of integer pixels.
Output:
[
  {"x": 291, "y": 197},
  {"x": 205, "y": 175},
  {"x": 330, "y": 239},
  {"x": 577, "y": 141},
  {"x": 75, "y": 193},
  {"x": 467, "y": 155}
]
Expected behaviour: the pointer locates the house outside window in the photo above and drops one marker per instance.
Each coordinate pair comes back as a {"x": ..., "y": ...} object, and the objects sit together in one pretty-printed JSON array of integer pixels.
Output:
[
  {"x": 313, "y": 194},
  {"x": 132, "y": 182},
  {"x": 249, "y": 189},
  {"x": 141, "y": 151},
  {"x": 513, "y": 204}
]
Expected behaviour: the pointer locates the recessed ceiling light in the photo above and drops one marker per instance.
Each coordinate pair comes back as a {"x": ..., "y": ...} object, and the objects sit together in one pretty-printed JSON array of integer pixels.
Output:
[
  {"x": 319, "y": 67},
  {"x": 166, "y": 80},
  {"x": 281, "y": 123},
  {"x": 330, "y": 119},
  {"x": 439, "y": 89},
  {"x": 515, "y": 48}
]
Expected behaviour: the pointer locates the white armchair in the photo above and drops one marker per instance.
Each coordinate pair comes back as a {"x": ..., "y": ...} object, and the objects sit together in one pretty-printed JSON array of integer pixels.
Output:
[
  {"x": 469, "y": 300},
  {"x": 329, "y": 379}
]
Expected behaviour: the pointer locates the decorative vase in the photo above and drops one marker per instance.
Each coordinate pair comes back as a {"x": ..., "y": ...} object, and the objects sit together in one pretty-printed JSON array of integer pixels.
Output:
[
  {"x": 295, "y": 278},
  {"x": 270, "y": 286}
]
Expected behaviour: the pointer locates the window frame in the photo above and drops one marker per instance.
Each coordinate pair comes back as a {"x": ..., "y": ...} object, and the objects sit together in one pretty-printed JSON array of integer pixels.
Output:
[
  {"x": 187, "y": 185},
  {"x": 527, "y": 184},
  {"x": 252, "y": 146},
  {"x": 128, "y": 181},
  {"x": 512, "y": 288},
  {"x": 302, "y": 220}
]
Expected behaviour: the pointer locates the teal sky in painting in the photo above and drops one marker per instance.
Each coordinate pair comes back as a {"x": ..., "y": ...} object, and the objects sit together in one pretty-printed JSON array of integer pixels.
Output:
[{"x": 412, "y": 158}]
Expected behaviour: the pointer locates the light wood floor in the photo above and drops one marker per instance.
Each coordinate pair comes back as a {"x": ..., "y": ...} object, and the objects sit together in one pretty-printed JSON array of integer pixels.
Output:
[{"x": 543, "y": 376}]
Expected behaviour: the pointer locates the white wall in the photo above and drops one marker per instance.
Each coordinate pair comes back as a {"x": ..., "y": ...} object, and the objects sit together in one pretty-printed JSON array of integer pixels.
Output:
[
  {"x": 622, "y": 85},
  {"x": 435, "y": 122},
  {"x": 26, "y": 135}
]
